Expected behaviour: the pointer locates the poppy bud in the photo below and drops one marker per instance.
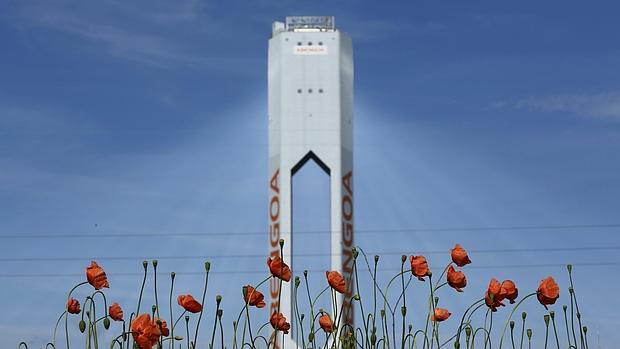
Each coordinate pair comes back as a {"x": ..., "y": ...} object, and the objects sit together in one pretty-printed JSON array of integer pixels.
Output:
[
  {"x": 457, "y": 345},
  {"x": 376, "y": 258},
  {"x": 403, "y": 259},
  {"x": 564, "y": 307},
  {"x": 155, "y": 263},
  {"x": 410, "y": 328},
  {"x": 468, "y": 331},
  {"x": 207, "y": 266},
  {"x": 403, "y": 310},
  {"x": 172, "y": 275},
  {"x": 569, "y": 267},
  {"x": 570, "y": 290},
  {"x": 585, "y": 329},
  {"x": 356, "y": 297},
  {"x": 552, "y": 314},
  {"x": 220, "y": 312},
  {"x": 296, "y": 281},
  {"x": 354, "y": 252},
  {"x": 578, "y": 316},
  {"x": 382, "y": 312},
  {"x": 153, "y": 308},
  {"x": 373, "y": 338},
  {"x": 82, "y": 326},
  {"x": 546, "y": 317},
  {"x": 311, "y": 336},
  {"x": 523, "y": 315},
  {"x": 512, "y": 324},
  {"x": 281, "y": 243},
  {"x": 436, "y": 301},
  {"x": 306, "y": 273},
  {"x": 106, "y": 323},
  {"x": 145, "y": 264},
  {"x": 529, "y": 333},
  {"x": 218, "y": 299},
  {"x": 302, "y": 317}
]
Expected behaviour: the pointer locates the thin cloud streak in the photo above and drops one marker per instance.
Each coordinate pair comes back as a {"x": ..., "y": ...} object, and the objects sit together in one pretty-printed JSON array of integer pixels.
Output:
[
  {"x": 148, "y": 45},
  {"x": 604, "y": 106}
]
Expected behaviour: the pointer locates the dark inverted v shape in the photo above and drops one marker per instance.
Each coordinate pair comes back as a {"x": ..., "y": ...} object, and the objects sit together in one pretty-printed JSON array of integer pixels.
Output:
[{"x": 310, "y": 156}]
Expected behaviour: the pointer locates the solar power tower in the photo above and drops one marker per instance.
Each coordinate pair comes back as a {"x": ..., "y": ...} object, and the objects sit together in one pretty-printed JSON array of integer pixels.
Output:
[{"x": 310, "y": 77}]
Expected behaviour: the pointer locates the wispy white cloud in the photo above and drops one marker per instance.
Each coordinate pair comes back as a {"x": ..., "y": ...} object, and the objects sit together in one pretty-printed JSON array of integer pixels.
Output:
[
  {"x": 158, "y": 37},
  {"x": 600, "y": 106}
]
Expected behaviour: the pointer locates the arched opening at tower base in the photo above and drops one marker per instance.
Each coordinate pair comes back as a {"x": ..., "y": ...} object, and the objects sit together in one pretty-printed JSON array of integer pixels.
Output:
[{"x": 311, "y": 239}]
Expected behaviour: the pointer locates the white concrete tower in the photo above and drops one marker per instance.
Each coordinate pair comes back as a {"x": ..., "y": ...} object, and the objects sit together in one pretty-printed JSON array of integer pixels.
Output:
[{"x": 310, "y": 118}]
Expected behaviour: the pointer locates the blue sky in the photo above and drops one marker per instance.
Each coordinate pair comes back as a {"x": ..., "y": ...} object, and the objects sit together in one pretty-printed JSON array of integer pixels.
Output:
[{"x": 149, "y": 117}]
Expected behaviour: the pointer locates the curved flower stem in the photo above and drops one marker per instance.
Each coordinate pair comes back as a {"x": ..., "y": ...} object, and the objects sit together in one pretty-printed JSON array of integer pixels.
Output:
[
  {"x": 574, "y": 296},
  {"x": 56, "y": 327},
  {"x": 311, "y": 305},
  {"x": 217, "y": 308},
  {"x": 275, "y": 333},
  {"x": 187, "y": 332},
  {"x": 357, "y": 288},
  {"x": 172, "y": 275},
  {"x": 522, "y": 333},
  {"x": 404, "y": 308},
  {"x": 555, "y": 332},
  {"x": 179, "y": 318},
  {"x": 431, "y": 307},
  {"x": 510, "y": 317},
  {"x": 204, "y": 294},
  {"x": 572, "y": 318},
  {"x": 221, "y": 330},
  {"x": 67, "y": 310},
  {"x": 567, "y": 331},
  {"x": 93, "y": 323},
  {"x": 512, "y": 337},
  {"x": 473, "y": 338},
  {"x": 145, "y": 264},
  {"x": 385, "y": 292},
  {"x": 546, "y": 334},
  {"x": 488, "y": 340},
  {"x": 458, "y": 334}
]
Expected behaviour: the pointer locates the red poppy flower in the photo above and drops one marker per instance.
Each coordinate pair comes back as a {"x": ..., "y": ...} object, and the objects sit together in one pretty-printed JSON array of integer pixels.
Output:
[
  {"x": 326, "y": 323},
  {"x": 456, "y": 279},
  {"x": 164, "y": 326},
  {"x": 96, "y": 276},
  {"x": 494, "y": 290},
  {"x": 145, "y": 332},
  {"x": 189, "y": 303},
  {"x": 419, "y": 267},
  {"x": 73, "y": 306},
  {"x": 254, "y": 297},
  {"x": 116, "y": 313},
  {"x": 440, "y": 314},
  {"x": 509, "y": 290},
  {"x": 459, "y": 256},
  {"x": 336, "y": 281},
  {"x": 279, "y": 269},
  {"x": 278, "y": 322},
  {"x": 548, "y": 291}
]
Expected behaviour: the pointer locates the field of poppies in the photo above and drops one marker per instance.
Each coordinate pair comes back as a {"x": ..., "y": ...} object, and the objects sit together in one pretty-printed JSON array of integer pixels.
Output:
[{"x": 386, "y": 324}]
